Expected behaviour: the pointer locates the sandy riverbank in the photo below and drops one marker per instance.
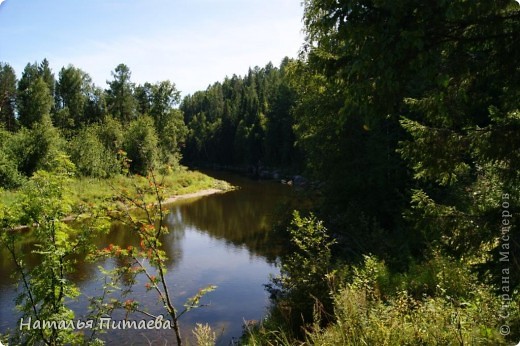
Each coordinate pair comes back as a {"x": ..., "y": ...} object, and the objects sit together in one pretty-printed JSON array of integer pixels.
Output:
[{"x": 200, "y": 193}]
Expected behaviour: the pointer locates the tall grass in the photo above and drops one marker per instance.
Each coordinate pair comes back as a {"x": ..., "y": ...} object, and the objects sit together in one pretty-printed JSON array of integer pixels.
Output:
[{"x": 438, "y": 302}]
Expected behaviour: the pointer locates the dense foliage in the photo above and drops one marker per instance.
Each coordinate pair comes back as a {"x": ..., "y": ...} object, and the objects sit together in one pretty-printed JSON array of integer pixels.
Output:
[
  {"x": 433, "y": 86},
  {"x": 46, "y": 288},
  {"x": 243, "y": 120},
  {"x": 42, "y": 117},
  {"x": 405, "y": 112},
  {"x": 409, "y": 112}
]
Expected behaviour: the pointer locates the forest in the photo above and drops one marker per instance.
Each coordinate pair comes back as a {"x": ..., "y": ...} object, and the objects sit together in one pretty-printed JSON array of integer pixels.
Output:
[
  {"x": 404, "y": 115},
  {"x": 44, "y": 116}
]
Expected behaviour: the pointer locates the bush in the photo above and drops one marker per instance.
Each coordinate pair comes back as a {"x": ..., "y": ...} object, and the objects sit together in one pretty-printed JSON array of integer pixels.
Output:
[
  {"x": 140, "y": 144},
  {"x": 9, "y": 175},
  {"x": 368, "y": 314},
  {"x": 110, "y": 133},
  {"x": 438, "y": 302},
  {"x": 302, "y": 292},
  {"x": 90, "y": 156},
  {"x": 37, "y": 148}
]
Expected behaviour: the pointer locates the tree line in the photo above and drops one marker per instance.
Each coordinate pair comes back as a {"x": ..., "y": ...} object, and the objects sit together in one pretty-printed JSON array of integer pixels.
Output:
[
  {"x": 105, "y": 132},
  {"x": 244, "y": 120},
  {"x": 409, "y": 112}
]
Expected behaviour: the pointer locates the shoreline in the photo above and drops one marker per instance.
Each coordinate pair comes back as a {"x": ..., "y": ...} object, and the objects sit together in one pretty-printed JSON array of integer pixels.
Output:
[
  {"x": 201, "y": 193},
  {"x": 166, "y": 201}
]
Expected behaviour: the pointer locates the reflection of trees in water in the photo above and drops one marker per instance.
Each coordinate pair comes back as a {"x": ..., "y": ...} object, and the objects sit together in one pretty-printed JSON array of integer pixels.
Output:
[
  {"x": 241, "y": 218},
  {"x": 6, "y": 262},
  {"x": 124, "y": 236},
  {"x": 172, "y": 241},
  {"x": 119, "y": 235},
  {"x": 84, "y": 270}
]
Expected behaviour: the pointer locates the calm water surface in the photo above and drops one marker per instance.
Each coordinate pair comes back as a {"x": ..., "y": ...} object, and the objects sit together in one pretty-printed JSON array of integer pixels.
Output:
[{"x": 223, "y": 240}]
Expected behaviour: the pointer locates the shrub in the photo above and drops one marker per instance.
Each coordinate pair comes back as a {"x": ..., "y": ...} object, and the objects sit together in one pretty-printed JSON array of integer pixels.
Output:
[
  {"x": 462, "y": 317},
  {"x": 110, "y": 133},
  {"x": 140, "y": 144},
  {"x": 302, "y": 292},
  {"x": 90, "y": 156},
  {"x": 37, "y": 148},
  {"x": 9, "y": 175},
  {"x": 46, "y": 288}
]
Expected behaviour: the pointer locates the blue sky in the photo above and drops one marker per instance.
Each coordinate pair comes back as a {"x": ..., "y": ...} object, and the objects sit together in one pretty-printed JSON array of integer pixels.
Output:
[{"x": 193, "y": 43}]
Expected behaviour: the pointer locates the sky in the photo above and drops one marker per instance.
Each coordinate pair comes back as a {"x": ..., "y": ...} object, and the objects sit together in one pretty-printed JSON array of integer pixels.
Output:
[{"x": 192, "y": 43}]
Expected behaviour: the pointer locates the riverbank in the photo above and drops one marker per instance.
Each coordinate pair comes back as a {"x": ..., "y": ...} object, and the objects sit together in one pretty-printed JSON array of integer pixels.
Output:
[
  {"x": 200, "y": 193},
  {"x": 221, "y": 240},
  {"x": 179, "y": 184}
]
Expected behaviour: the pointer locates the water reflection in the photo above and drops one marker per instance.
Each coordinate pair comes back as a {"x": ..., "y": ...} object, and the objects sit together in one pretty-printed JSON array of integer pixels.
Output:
[
  {"x": 240, "y": 218},
  {"x": 222, "y": 239}
]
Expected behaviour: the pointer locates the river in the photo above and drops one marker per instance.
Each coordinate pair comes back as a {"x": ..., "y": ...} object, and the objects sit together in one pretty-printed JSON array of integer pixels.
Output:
[{"x": 221, "y": 239}]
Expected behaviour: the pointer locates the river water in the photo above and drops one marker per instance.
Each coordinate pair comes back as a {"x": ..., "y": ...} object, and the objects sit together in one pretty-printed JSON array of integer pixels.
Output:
[{"x": 222, "y": 239}]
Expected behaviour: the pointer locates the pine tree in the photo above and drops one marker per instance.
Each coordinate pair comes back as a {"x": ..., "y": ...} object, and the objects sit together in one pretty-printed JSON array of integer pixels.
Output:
[
  {"x": 120, "y": 95},
  {"x": 34, "y": 98},
  {"x": 7, "y": 97}
]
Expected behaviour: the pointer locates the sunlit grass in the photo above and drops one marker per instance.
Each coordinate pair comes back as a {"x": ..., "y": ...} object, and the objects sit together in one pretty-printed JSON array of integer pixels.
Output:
[
  {"x": 85, "y": 190},
  {"x": 8, "y": 197}
]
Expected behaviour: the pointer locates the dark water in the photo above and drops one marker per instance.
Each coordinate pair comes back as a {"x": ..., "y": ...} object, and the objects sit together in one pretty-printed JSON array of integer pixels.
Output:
[{"x": 222, "y": 239}]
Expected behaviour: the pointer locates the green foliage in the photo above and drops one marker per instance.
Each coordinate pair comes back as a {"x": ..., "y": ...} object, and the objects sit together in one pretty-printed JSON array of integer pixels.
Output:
[
  {"x": 36, "y": 148},
  {"x": 120, "y": 96},
  {"x": 8, "y": 97},
  {"x": 172, "y": 133},
  {"x": 301, "y": 293},
  {"x": 45, "y": 72},
  {"x": 406, "y": 111},
  {"x": 35, "y": 94},
  {"x": 39, "y": 103},
  {"x": 72, "y": 97},
  {"x": 46, "y": 287},
  {"x": 458, "y": 312},
  {"x": 76, "y": 105},
  {"x": 437, "y": 302},
  {"x": 110, "y": 133},
  {"x": 359, "y": 69},
  {"x": 461, "y": 145},
  {"x": 10, "y": 177},
  {"x": 140, "y": 143},
  {"x": 444, "y": 69},
  {"x": 90, "y": 156},
  {"x": 243, "y": 120},
  {"x": 279, "y": 140}
]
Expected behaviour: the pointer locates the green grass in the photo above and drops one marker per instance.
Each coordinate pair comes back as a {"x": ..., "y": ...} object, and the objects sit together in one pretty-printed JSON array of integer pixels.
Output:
[
  {"x": 7, "y": 197},
  {"x": 84, "y": 190},
  {"x": 375, "y": 308}
]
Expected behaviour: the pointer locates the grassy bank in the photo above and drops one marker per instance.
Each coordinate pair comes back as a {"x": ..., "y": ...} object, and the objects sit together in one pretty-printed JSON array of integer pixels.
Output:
[
  {"x": 320, "y": 299},
  {"x": 438, "y": 302},
  {"x": 84, "y": 190}
]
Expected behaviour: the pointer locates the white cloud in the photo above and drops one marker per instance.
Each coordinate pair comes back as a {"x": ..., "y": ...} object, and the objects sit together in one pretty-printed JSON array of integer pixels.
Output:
[
  {"x": 190, "y": 59},
  {"x": 192, "y": 43}
]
